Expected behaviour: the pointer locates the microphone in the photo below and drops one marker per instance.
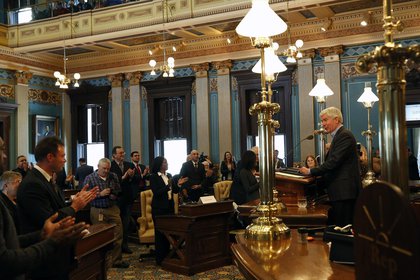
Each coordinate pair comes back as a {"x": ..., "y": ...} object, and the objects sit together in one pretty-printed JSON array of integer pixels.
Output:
[
  {"x": 319, "y": 131},
  {"x": 309, "y": 137}
]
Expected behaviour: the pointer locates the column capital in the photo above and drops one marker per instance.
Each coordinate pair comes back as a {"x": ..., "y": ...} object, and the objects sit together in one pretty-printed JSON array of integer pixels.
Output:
[
  {"x": 309, "y": 53},
  {"x": 201, "y": 69},
  {"x": 116, "y": 79},
  {"x": 331, "y": 50},
  {"x": 134, "y": 78},
  {"x": 23, "y": 77},
  {"x": 222, "y": 67}
]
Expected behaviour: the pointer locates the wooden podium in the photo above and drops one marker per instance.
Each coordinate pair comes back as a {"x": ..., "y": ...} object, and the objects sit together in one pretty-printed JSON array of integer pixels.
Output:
[
  {"x": 199, "y": 237},
  {"x": 290, "y": 187},
  {"x": 91, "y": 251}
]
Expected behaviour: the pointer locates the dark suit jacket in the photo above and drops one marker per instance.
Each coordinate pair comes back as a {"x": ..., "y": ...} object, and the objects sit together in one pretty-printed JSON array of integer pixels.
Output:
[
  {"x": 12, "y": 210},
  {"x": 138, "y": 180},
  {"x": 245, "y": 187},
  {"x": 196, "y": 176},
  {"x": 37, "y": 200},
  {"x": 160, "y": 202},
  {"x": 20, "y": 254},
  {"x": 127, "y": 192},
  {"x": 341, "y": 170},
  {"x": 81, "y": 173}
]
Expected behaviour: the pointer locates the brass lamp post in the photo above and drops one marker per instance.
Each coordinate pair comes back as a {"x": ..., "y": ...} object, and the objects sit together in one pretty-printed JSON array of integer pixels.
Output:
[
  {"x": 267, "y": 235},
  {"x": 320, "y": 92},
  {"x": 391, "y": 59},
  {"x": 368, "y": 98}
]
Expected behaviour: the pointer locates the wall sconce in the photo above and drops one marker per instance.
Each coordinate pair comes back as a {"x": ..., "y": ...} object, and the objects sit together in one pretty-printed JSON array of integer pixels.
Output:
[{"x": 368, "y": 98}]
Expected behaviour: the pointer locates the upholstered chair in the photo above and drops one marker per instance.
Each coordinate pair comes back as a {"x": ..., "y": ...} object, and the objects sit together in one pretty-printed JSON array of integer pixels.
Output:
[
  {"x": 147, "y": 229},
  {"x": 222, "y": 190}
]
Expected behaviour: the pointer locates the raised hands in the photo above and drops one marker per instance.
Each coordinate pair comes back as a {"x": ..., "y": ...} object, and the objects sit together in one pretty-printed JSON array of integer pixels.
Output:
[
  {"x": 63, "y": 231},
  {"x": 82, "y": 198}
]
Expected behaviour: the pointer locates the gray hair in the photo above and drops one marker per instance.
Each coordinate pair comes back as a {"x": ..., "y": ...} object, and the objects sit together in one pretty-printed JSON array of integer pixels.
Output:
[
  {"x": 8, "y": 177},
  {"x": 104, "y": 160},
  {"x": 332, "y": 112}
]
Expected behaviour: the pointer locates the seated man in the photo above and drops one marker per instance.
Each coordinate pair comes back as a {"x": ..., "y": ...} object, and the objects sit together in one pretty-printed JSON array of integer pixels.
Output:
[{"x": 194, "y": 178}]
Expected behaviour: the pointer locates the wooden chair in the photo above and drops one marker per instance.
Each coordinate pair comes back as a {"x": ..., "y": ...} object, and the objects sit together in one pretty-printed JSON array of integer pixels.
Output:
[
  {"x": 222, "y": 190},
  {"x": 146, "y": 227}
]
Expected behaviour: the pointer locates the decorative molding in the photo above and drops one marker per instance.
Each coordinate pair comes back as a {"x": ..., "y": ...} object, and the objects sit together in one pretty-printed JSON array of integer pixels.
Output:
[
  {"x": 331, "y": 50},
  {"x": 115, "y": 80},
  {"x": 126, "y": 93},
  {"x": 295, "y": 77},
  {"x": 110, "y": 96},
  {"x": 213, "y": 85},
  {"x": 144, "y": 93},
  {"x": 23, "y": 77},
  {"x": 309, "y": 53},
  {"x": 194, "y": 88},
  {"x": 201, "y": 69},
  {"x": 44, "y": 96},
  {"x": 7, "y": 91},
  {"x": 348, "y": 71},
  {"x": 222, "y": 67},
  {"x": 318, "y": 70},
  {"x": 234, "y": 84},
  {"x": 134, "y": 78}
]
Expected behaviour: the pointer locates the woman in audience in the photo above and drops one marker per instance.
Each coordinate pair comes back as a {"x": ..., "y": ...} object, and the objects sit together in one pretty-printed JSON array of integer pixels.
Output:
[
  {"x": 162, "y": 202},
  {"x": 245, "y": 187},
  {"x": 227, "y": 167},
  {"x": 310, "y": 161}
]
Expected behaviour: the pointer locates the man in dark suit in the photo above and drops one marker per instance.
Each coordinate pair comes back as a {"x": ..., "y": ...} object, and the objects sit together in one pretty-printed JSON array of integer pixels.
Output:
[
  {"x": 197, "y": 176},
  {"x": 125, "y": 174},
  {"x": 38, "y": 198},
  {"x": 82, "y": 171},
  {"x": 340, "y": 170},
  {"x": 22, "y": 165},
  {"x": 141, "y": 173}
]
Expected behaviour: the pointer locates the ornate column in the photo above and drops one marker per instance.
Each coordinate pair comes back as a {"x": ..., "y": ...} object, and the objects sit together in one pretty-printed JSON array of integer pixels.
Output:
[
  {"x": 224, "y": 106},
  {"x": 135, "y": 110},
  {"x": 117, "y": 106},
  {"x": 306, "y": 104},
  {"x": 202, "y": 105},
  {"x": 332, "y": 73},
  {"x": 21, "y": 97}
]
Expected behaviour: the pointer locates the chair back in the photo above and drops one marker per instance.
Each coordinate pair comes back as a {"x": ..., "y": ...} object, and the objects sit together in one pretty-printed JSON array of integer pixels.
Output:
[
  {"x": 147, "y": 228},
  {"x": 222, "y": 190}
]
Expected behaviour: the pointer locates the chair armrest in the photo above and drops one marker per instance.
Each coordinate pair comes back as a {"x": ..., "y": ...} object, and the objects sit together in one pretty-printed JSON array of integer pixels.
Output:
[{"x": 143, "y": 224}]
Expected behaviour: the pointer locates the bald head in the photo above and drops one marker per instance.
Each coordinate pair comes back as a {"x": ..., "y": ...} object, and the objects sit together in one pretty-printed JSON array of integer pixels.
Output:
[{"x": 194, "y": 155}]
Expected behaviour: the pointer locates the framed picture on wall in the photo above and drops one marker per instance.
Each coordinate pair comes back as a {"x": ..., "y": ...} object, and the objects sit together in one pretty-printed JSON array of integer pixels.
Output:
[{"x": 44, "y": 126}]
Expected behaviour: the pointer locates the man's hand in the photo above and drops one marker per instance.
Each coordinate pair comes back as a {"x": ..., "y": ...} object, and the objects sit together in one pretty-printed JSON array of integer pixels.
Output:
[
  {"x": 63, "y": 231},
  {"x": 305, "y": 171},
  {"x": 194, "y": 187},
  {"x": 129, "y": 173},
  {"x": 182, "y": 181},
  {"x": 209, "y": 172},
  {"x": 82, "y": 198},
  {"x": 105, "y": 192}
]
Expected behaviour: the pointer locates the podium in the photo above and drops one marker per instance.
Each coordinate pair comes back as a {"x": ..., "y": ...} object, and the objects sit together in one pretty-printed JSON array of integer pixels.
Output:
[
  {"x": 291, "y": 186},
  {"x": 91, "y": 252},
  {"x": 199, "y": 237}
]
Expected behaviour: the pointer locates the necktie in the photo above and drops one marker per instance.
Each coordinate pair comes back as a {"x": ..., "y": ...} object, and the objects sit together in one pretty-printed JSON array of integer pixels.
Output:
[
  {"x": 121, "y": 166},
  {"x": 195, "y": 165},
  {"x": 138, "y": 169}
]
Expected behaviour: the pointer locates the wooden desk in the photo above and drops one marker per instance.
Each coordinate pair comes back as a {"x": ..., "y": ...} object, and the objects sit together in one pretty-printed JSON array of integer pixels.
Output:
[
  {"x": 300, "y": 261},
  {"x": 91, "y": 251},
  {"x": 291, "y": 187},
  {"x": 199, "y": 236},
  {"x": 293, "y": 216}
]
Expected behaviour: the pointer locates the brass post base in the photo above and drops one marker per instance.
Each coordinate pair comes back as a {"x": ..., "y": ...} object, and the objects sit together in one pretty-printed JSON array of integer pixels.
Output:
[{"x": 368, "y": 179}]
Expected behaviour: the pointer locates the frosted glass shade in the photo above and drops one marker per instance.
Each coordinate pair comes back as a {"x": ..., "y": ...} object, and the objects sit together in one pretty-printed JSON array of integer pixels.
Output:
[
  {"x": 321, "y": 89},
  {"x": 368, "y": 98},
  {"x": 272, "y": 63},
  {"x": 261, "y": 21}
]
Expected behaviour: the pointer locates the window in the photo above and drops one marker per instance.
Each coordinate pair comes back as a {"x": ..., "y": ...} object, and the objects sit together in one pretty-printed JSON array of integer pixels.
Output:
[
  {"x": 279, "y": 144},
  {"x": 175, "y": 152},
  {"x": 24, "y": 15}
]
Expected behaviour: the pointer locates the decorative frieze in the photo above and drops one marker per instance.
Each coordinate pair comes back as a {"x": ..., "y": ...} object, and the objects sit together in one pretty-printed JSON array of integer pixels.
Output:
[
  {"x": 331, "y": 50},
  {"x": 133, "y": 77},
  {"x": 348, "y": 71},
  {"x": 222, "y": 67},
  {"x": 213, "y": 85},
  {"x": 7, "y": 91},
  {"x": 23, "y": 77},
  {"x": 126, "y": 93},
  {"x": 115, "y": 80},
  {"x": 309, "y": 53},
  {"x": 201, "y": 69},
  {"x": 44, "y": 96}
]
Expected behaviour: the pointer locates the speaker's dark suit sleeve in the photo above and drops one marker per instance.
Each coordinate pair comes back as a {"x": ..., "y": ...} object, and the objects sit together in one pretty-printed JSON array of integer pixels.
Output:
[{"x": 37, "y": 201}]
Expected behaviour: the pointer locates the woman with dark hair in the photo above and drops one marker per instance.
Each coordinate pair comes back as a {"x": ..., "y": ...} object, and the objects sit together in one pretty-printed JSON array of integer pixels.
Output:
[
  {"x": 227, "y": 167},
  {"x": 245, "y": 187},
  {"x": 162, "y": 202},
  {"x": 310, "y": 161}
]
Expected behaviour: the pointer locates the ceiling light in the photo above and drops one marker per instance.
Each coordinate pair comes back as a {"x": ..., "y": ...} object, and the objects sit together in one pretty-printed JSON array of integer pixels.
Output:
[
  {"x": 366, "y": 19},
  {"x": 292, "y": 52},
  {"x": 326, "y": 25},
  {"x": 228, "y": 40},
  {"x": 62, "y": 81}
]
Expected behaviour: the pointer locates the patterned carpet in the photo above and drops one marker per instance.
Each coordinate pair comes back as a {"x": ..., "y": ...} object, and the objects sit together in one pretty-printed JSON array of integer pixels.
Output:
[{"x": 147, "y": 270}]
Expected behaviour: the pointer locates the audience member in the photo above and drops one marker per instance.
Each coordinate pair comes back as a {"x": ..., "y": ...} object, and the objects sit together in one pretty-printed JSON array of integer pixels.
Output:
[
  {"x": 125, "y": 173},
  {"x": 22, "y": 165},
  {"x": 192, "y": 189},
  {"x": 62, "y": 180},
  {"x": 38, "y": 198},
  {"x": 141, "y": 173},
  {"x": 413, "y": 168},
  {"x": 162, "y": 202},
  {"x": 278, "y": 162},
  {"x": 82, "y": 171},
  {"x": 9, "y": 184},
  {"x": 227, "y": 167},
  {"x": 245, "y": 187},
  {"x": 340, "y": 169},
  {"x": 104, "y": 207}
]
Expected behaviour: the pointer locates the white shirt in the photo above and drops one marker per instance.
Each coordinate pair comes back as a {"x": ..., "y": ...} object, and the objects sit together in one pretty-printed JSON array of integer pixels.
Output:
[
  {"x": 43, "y": 172},
  {"x": 166, "y": 181}
]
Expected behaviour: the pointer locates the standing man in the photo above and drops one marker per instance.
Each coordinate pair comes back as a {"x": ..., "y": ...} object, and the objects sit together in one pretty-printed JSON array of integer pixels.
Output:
[
  {"x": 22, "y": 165},
  {"x": 104, "y": 207},
  {"x": 38, "y": 198},
  {"x": 340, "y": 169},
  {"x": 125, "y": 173},
  {"x": 195, "y": 178},
  {"x": 141, "y": 172},
  {"x": 82, "y": 171},
  {"x": 9, "y": 184}
]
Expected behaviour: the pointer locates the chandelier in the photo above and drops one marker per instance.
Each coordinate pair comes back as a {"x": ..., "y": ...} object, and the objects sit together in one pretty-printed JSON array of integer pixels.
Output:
[
  {"x": 168, "y": 64},
  {"x": 62, "y": 80},
  {"x": 293, "y": 51}
]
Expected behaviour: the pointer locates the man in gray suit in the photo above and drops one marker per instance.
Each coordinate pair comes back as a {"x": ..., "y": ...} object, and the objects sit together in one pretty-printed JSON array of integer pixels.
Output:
[{"x": 341, "y": 169}]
